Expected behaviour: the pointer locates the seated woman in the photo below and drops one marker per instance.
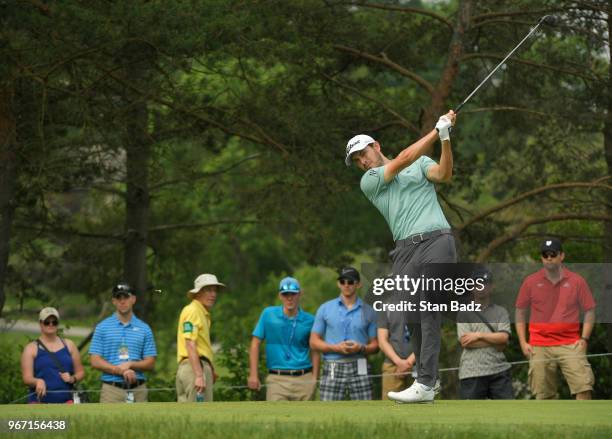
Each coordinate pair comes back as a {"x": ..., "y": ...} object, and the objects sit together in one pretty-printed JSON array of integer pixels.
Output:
[{"x": 50, "y": 366}]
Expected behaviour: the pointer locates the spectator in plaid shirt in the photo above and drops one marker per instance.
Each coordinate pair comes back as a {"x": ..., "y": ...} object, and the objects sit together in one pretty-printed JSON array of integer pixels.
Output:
[{"x": 345, "y": 331}]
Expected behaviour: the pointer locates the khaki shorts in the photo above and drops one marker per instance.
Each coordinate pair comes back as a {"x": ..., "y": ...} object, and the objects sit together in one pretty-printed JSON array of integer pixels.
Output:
[
  {"x": 574, "y": 366},
  {"x": 391, "y": 382},
  {"x": 290, "y": 388},
  {"x": 185, "y": 382},
  {"x": 116, "y": 394}
]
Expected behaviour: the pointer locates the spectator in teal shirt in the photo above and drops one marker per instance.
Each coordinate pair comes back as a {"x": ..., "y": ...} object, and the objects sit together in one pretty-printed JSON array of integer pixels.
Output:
[{"x": 292, "y": 367}]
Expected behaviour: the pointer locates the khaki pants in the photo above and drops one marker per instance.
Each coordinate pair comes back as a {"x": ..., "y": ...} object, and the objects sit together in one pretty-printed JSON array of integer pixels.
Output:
[
  {"x": 290, "y": 388},
  {"x": 185, "y": 382},
  {"x": 116, "y": 394},
  {"x": 391, "y": 382},
  {"x": 543, "y": 370}
]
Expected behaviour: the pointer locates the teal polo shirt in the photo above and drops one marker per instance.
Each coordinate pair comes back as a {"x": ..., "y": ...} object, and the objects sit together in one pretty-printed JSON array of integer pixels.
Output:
[
  {"x": 287, "y": 339},
  {"x": 408, "y": 202}
]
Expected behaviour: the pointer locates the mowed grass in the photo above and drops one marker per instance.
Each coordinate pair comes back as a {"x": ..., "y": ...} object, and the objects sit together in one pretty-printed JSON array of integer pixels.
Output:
[{"x": 359, "y": 419}]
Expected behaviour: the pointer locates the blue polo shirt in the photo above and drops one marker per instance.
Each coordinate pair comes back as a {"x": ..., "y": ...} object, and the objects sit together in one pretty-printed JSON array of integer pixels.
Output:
[
  {"x": 111, "y": 335},
  {"x": 336, "y": 323},
  {"x": 287, "y": 339}
]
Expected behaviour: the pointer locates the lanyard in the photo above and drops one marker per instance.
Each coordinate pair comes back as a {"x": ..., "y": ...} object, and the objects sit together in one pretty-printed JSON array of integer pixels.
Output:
[
  {"x": 346, "y": 326},
  {"x": 123, "y": 353},
  {"x": 123, "y": 335},
  {"x": 291, "y": 337},
  {"x": 345, "y": 319}
]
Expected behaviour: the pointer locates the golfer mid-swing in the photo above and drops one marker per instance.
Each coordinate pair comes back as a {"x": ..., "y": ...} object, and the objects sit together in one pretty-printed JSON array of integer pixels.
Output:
[{"x": 402, "y": 189}]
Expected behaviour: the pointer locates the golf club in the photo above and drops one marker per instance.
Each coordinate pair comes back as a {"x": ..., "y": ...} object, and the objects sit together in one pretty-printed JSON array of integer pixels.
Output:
[{"x": 547, "y": 19}]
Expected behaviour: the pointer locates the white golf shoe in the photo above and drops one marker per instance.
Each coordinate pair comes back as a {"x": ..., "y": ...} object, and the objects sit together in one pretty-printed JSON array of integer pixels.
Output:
[
  {"x": 437, "y": 387},
  {"x": 417, "y": 393}
]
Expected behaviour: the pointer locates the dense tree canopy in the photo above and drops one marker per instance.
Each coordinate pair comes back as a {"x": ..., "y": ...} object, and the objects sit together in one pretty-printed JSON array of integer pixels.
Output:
[{"x": 155, "y": 140}]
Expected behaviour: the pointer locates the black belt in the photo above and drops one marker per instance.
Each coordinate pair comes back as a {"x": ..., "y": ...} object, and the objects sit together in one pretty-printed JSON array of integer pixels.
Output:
[
  {"x": 420, "y": 237},
  {"x": 125, "y": 386},
  {"x": 293, "y": 373},
  {"x": 203, "y": 358}
]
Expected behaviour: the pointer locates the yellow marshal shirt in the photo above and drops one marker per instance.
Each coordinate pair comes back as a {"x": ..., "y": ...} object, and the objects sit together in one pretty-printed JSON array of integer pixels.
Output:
[{"x": 194, "y": 324}]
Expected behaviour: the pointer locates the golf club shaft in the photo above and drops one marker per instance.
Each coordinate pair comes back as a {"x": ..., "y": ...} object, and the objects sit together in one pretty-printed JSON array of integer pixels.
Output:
[{"x": 458, "y": 108}]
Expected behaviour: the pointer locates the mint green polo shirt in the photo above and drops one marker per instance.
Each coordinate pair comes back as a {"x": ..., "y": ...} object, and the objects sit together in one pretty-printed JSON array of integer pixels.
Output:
[{"x": 408, "y": 202}]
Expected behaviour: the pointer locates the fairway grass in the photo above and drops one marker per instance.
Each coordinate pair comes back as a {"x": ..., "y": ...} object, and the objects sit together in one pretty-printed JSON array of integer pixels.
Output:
[{"x": 350, "y": 419}]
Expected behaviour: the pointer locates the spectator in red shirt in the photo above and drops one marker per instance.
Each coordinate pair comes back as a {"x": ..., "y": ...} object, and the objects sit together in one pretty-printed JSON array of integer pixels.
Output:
[{"x": 555, "y": 297}]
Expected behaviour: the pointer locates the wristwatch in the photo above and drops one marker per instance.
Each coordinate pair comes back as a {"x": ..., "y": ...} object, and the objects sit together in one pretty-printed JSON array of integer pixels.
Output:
[{"x": 363, "y": 349}]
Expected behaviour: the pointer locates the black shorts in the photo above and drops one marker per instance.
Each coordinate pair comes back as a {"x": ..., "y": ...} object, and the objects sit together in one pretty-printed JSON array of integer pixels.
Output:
[{"x": 497, "y": 386}]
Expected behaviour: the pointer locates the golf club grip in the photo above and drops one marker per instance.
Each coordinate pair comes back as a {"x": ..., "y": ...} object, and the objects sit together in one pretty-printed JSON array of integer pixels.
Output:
[
  {"x": 456, "y": 111},
  {"x": 450, "y": 130}
]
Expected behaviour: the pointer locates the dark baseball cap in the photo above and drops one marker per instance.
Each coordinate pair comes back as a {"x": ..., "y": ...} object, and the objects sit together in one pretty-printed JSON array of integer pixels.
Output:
[
  {"x": 551, "y": 245},
  {"x": 349, "y": 273},
  {"x": 123, "y": 289}
]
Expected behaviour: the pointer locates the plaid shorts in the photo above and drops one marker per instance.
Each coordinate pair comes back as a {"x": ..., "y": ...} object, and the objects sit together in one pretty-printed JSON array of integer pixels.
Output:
[{"x": 344, "y": 378}]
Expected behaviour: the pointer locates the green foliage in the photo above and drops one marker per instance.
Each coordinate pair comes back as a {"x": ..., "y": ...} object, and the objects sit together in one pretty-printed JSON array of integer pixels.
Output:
[
  {"x": 91, "y": 383},
  {"x": 11, "y": 384},
  {"x": 235, "y": 359},
  {"x": 164, "y": 381}
]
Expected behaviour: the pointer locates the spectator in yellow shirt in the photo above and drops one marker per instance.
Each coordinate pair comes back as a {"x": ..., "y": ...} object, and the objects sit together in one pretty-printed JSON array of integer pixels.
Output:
[{"x": 195, "y": 374}]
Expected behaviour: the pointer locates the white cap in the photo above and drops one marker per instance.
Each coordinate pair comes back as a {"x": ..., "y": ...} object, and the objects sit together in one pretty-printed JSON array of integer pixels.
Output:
[
  {"x": 357, "y": 143},
  {"x": 205, "y": 280},
  {"x": 47, "y": 312}
]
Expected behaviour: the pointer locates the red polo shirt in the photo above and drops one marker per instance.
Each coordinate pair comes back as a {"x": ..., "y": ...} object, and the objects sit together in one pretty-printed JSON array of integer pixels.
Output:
[{"x": 555, "y": 308}]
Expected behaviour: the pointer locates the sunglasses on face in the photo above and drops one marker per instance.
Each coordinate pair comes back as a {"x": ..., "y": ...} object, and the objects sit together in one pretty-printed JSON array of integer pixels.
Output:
[
  {"x": 547, "y": 255},
  {"x": 51, "y": 322},
  {"x": 346, "y": 282}
]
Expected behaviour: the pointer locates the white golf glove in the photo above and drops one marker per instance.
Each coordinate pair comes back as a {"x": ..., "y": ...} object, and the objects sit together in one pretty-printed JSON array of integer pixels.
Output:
[{"x": 443, "y": 127}]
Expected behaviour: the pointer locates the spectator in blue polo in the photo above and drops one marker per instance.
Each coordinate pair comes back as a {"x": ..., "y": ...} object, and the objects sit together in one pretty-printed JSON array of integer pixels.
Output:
[
  {"x": 345, "y": 331},
  {"x": 292, "y": 367},
  {"x": 123, "y": 348}
]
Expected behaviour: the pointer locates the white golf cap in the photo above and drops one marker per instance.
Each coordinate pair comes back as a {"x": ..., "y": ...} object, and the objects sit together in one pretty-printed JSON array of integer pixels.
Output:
[
  {"x": 47, "y": 312},
  {"x": 205, "y": 280},
  {"x": 357, "y": 143}
]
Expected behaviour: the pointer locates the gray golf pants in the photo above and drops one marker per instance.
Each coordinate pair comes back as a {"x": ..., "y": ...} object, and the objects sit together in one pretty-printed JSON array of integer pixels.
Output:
[{"x": 424, "y": 326}]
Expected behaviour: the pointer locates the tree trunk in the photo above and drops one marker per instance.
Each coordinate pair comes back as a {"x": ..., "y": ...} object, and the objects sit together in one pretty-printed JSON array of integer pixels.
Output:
[
  {"x": 451, "y": 69},
  {"x": 442, "y": 91},
  {"x": 137, "y": 144},
  {"x": 8, "y": 174},
  {"x": 607, "y": 240}
]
